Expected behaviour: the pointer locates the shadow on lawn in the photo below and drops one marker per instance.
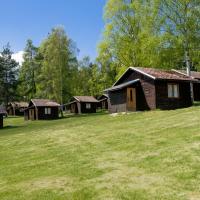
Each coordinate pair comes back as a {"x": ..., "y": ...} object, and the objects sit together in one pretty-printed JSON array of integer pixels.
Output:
[
  {"x": 84, "y": 115},
  {"x": 196, "y": 103}
]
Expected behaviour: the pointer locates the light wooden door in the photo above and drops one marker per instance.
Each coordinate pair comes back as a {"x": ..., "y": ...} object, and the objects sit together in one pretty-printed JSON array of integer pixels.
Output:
[
  {"x": 131, "y": 99},
  {"x": 32, "y": 114}
]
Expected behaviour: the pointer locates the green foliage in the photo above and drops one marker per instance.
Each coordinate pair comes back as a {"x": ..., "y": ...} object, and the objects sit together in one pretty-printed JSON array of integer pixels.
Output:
[
  {"x": 29, "y": 71},
  {"x": 89, "y": 78},
  {"x": 153, "y": 33},
  {"x": 56, "y": 72},
  {"x": 8, "y": 76}
]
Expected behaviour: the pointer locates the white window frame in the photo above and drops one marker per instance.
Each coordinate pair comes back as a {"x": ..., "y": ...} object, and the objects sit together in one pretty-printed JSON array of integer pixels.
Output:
[
  {"x": 88, "y": 106},
  {"x": 173, "y": 90},
  {"x": 47, "y": 111}
]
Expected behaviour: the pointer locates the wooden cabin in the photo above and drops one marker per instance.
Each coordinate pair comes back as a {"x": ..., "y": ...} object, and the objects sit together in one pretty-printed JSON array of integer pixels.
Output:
[
  {"x": 42, "y": 109},
  {"x": 16, "y": 108},
  {"x": 82, "y": 104},
  {"x": 2, "y": 114},
  {"x": 196, "y": 85},
  {"x": 147, "y": 88},
  {"x": 103, "y": 102}
]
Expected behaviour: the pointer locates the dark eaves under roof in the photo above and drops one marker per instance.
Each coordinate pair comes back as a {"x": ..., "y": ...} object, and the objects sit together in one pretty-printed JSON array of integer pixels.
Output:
[{"x": 121, "y": 86}]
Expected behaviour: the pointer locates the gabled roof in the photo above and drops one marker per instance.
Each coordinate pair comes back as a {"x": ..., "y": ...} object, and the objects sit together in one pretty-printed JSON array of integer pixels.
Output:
[
  {"x": 157, "y": 74},
  {"x": 44, "y": 103},
  {"x": 123, "y": 85},
  {"x": 19, "y": 104},
  {"x": 194, "y": 74},
  {"x": 89, "y": 99},
  {"x": 103, "y": 97},
  {"x": 2, "y": 110}
]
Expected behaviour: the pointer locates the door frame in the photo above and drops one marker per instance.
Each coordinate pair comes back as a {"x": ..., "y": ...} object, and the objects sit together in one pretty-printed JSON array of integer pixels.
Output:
[{"x": 131, "y": 99}]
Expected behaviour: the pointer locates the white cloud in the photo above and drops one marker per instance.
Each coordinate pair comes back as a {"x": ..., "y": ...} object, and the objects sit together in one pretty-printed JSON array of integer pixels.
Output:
[{"x": 18, "y": 57}]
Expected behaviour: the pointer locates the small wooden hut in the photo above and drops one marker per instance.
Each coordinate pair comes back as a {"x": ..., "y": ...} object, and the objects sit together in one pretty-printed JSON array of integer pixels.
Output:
[
  {"x": 2, "y": 114},
  {"x": 16, "y": 108},
  {"x": 42, "y": 109},
  {"x": 82, "y": 104},
  {"x": 103, "y": 101}
]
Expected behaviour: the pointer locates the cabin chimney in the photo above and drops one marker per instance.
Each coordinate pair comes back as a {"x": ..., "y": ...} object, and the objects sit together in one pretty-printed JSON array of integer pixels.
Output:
[
  {"x": 187, "y": 64},
  {"x": 188, "y": 69}
]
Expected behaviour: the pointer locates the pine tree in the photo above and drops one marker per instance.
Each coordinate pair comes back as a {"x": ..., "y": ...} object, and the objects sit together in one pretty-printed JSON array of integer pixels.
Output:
[
  {"x": 8, "y": 75},
  {"x": 29, "y": 71}
]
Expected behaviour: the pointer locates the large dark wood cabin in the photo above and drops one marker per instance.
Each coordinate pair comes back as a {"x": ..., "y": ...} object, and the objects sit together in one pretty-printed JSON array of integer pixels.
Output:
[
  {"x": 196, "y": 85},
  {"x": 16, "y": 108},
  {"x": 2, "y": 114},
  {"x": 146, "y": 89},
  {"x": 82, "y": 104},
  {"x": 42, "y": 109},
  {"x": 103, "y": 102}
]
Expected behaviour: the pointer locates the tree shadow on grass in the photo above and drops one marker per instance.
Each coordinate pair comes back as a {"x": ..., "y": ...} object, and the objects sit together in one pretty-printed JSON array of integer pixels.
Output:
[
  {"x": 196, "y": 103},
  {"x": 84, "y": 115},
  {"x": 10, "y": 127}
]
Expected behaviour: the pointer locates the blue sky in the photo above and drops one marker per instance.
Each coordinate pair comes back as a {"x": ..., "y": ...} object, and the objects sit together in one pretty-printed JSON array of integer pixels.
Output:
[{"x": 23, "y": 19}]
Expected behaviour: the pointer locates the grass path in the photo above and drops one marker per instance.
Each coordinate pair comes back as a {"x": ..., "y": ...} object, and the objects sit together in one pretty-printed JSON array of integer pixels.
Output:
[{"x": 141, "y": 156}]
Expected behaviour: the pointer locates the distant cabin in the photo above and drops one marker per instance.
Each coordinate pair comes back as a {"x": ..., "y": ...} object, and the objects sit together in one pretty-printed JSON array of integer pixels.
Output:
[
  {"x": 82, "y": 104},
  {"x": 2, "y": 114},
  {"x": 147, "y": 88},
  {"x": 42, "y": 109},
  {"x": 103, "y": 101},
  {"x": 16, "y": 108},
  {"x": 196, "y": 85}
]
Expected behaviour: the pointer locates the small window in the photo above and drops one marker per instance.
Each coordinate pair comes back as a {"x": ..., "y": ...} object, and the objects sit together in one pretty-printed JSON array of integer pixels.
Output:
[
  {"x": 47, "y": 111},
  {"x": 173, "y": 90},
  {"x": 88, "y": 106}
]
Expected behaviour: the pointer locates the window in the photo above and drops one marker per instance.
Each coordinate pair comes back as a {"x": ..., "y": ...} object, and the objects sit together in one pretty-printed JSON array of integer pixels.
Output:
[
  {"x": 173, "y": 90},
  {"x": 88, "y": 106},
  {"x": 47, "y": 111}
]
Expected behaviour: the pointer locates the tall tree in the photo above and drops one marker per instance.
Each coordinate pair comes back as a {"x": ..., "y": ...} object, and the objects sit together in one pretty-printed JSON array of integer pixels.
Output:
[
  {"x": 150, "y": 33},
  {"x": 8, "y": 75},
  {"x": 182, "y": 27},
  {"x": 58, "y": 66},
  {"x": 29, "y": 71}
]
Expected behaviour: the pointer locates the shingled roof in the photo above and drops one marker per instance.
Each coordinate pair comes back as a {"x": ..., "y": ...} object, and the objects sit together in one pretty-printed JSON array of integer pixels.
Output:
[
  {"x": 157, "y": 74},
  {"x": 44, "y": 103},
  {"x": 19, "y": 104},
  {"x": 162, "y": 74},
  {"x": 194, "y": 74},
  {"x": 89, "y": 99}
]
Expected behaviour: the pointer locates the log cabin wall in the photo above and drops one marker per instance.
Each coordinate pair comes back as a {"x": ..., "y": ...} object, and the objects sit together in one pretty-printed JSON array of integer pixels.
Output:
[
  {"x": 42, "y": 116},
  {"x": 196, "y": 90},
  {"x": 92, "y": 109},
  {"x": 165, "y": 103},
  {"x": 117, "y": 101}
]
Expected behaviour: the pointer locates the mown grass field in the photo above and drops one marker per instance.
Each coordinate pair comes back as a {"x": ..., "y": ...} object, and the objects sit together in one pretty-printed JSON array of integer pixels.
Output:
[{"x": 139, "y": 156}]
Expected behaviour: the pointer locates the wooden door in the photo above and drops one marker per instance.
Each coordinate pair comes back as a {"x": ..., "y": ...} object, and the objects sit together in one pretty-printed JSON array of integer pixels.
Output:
[
  {"x": 131, "y": 99},
  {"x": 31, "y": 114}
]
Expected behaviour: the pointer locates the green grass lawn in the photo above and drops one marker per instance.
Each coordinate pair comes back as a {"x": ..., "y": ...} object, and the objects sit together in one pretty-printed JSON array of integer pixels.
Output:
[{"x": 147, "y": 155}]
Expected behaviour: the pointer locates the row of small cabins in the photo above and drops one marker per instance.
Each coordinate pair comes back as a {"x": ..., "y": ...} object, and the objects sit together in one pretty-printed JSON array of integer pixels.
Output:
[{"x": 138, "y": 89}]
